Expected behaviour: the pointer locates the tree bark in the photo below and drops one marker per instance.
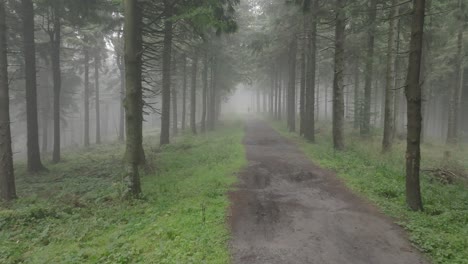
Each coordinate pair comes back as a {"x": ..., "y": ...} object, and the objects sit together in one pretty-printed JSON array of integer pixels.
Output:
[
  {"x": 212, "y": 96},
  {"x": 457, "y": 89},
  {"x": 338, "y": 85},
  {"x": 205, "y": 91},
  {"x": 413, "y": 97},
  {"x": 397, "y": 93},
  {"x": 134, "y": 100},
  {"x": 122, "y": 99},
  {"x": 175, "y": 125},
  {"x": 55, "y": 43},
  {"x": 166, "y": 77},
  {"x": 390, "y": 79},
  {"x": 357, "y": 103},
  {"x": 7, "y": 177},
  {"x": 302, "y": 89},
  {"x": 193, "y": 95},
  {"x": 369, "y": 71},
  {"x": 291, "y": 103},
  {"x": 184, "y": 92},
  {"x": 33, "y": 151},
  {"x": 311, "y": 74},
  {"x": 97, "y": 62},
  {"x": 86, "y": 93}
]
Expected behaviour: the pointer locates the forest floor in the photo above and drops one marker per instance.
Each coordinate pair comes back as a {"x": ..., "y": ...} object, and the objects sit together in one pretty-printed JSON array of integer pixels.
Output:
[
  {"x": 288, "y": 210},
  {"x": 441, "y": 231},
  {"x": 76, "y": 212}
]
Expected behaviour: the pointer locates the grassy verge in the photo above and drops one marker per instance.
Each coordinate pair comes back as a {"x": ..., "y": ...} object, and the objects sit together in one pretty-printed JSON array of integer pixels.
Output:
[
  {"x": 441, "y": 230},
  {"x": 76, "y": 214}
]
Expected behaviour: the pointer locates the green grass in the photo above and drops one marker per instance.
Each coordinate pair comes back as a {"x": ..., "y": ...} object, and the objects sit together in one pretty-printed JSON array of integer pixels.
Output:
[
  {"x": 76, "y": 213},
  {"x": 441, "y": 230}
]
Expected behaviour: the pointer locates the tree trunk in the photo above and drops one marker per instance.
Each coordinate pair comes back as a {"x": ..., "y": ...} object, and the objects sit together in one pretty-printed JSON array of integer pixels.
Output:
[
  {"x": 97, "y": 61},
  {"x": 338, "y": 98},
  {"x": 291, "y": 104},
  {"x": 311, "y": 74},
  {"x": 122, "y": 98},
  {"x": 7, "y": 177},
  {"x": 45, "y": 122},
  {"x": 271, "y": 97},
  {"x": 413, "y": 97},
  {"x": 33, "y": 151},
  {"x": 211, "y": 96},
  {"x": 193, "y": 95},
  {"x": 390, "y": 79},
  {"x": 205, "y": 91},
  {"x": 397, "y": 93},
  {"x": 184, "y": 92},
  {"x": 86, "y": 94},
  {"x": 302, "y": 89},
  {"x": 134, "y": 100},
  {"x": 457, "y": 89},
  {"x": 276, "y": 99},
  {"x": 357, "y": 104},
  {"x": 369, "y": 71},
  {"x": 175, "y": 127},
  {"x": 55, "y": 43},
  {"x": 166, "y": 77}
]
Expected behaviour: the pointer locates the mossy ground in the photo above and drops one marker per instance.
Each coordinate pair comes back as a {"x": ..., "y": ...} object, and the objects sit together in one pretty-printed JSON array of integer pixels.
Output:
[
  {"x": 441, "y": 230},
  {"x": 75, "y": 213}
]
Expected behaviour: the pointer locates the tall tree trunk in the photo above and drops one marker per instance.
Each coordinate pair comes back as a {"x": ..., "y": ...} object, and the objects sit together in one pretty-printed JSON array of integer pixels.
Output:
[
  {"x": 184, "y": 92},
  {"x": 338, "y": 85},
  {"x": 166, "y": 78},
  {"x": 397, "y": 93},
  {"x": 134, "y": 100},
  {"x": 97, "y": 62},
  {"x": 457, "y": 88},
  {"x": 7, "y": 177},
  {"x": 175, "y": 126},
  {"x": 257, "y": 96},
  {"x": 317, "y": 97},
  {"x": 55, "y": 43},
  {"x": 45, "y": 121},
  {"x": 276, "y": 99},
  {"x": 311, "y": 74},
  {"x": 302, "y": 89},
  {"x": 357, "y": 104},
  {"x": 413, "y": 97},
  {"x": 212, "y": 97},
  {"x": 34, "y": 155},
  {"x": 390, "y": 79},
  {"x": 326, "y": 103},
  {"x": 86, "y": 94},
  {"x": 205, "y": 90},
  {"x": 291, "y": 103},
  {"x": 122, "y": 98},
  {"x": 271, "y": 97},
  {"x": 369, "y": 71},
  {"x": 193, "y": 95}
]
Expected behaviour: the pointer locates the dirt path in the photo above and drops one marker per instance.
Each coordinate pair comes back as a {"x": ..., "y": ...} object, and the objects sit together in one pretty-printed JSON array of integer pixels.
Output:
[{"x": 287, "y": 210}]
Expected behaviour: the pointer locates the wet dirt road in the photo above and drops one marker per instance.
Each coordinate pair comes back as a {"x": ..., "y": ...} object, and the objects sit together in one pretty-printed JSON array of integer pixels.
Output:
[{"x": 287, "y": 210}]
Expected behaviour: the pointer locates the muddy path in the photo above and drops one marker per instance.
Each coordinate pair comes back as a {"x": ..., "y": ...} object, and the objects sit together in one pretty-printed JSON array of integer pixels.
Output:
[{"x": 287, "y": 210}]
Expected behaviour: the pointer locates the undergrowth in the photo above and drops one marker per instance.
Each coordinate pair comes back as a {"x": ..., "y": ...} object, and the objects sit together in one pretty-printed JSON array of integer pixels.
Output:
[
  {"x": 75, "y": 213},
  {"x": 441, "y": 230}
]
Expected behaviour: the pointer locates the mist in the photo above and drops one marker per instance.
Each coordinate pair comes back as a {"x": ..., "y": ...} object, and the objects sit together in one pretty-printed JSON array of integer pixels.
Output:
[{"x": 233, "y": 131}]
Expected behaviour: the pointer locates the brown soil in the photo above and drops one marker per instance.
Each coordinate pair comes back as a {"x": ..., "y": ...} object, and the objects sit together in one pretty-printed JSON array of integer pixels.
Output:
[{"x": 288, "y": 210}]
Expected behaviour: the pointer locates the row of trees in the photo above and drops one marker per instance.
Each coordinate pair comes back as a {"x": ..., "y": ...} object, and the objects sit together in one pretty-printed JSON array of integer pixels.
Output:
[
  {"x": 143, "y": 54},
  {"x": 380, "y": 41}
]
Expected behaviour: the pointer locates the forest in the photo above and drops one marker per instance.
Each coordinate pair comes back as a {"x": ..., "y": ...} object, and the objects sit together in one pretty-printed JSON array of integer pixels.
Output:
[{"x": 234, "y": 131}]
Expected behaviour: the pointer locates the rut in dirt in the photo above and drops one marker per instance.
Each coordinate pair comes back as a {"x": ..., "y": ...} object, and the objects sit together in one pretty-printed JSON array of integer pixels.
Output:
[{"x": 288, "y": 210}]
